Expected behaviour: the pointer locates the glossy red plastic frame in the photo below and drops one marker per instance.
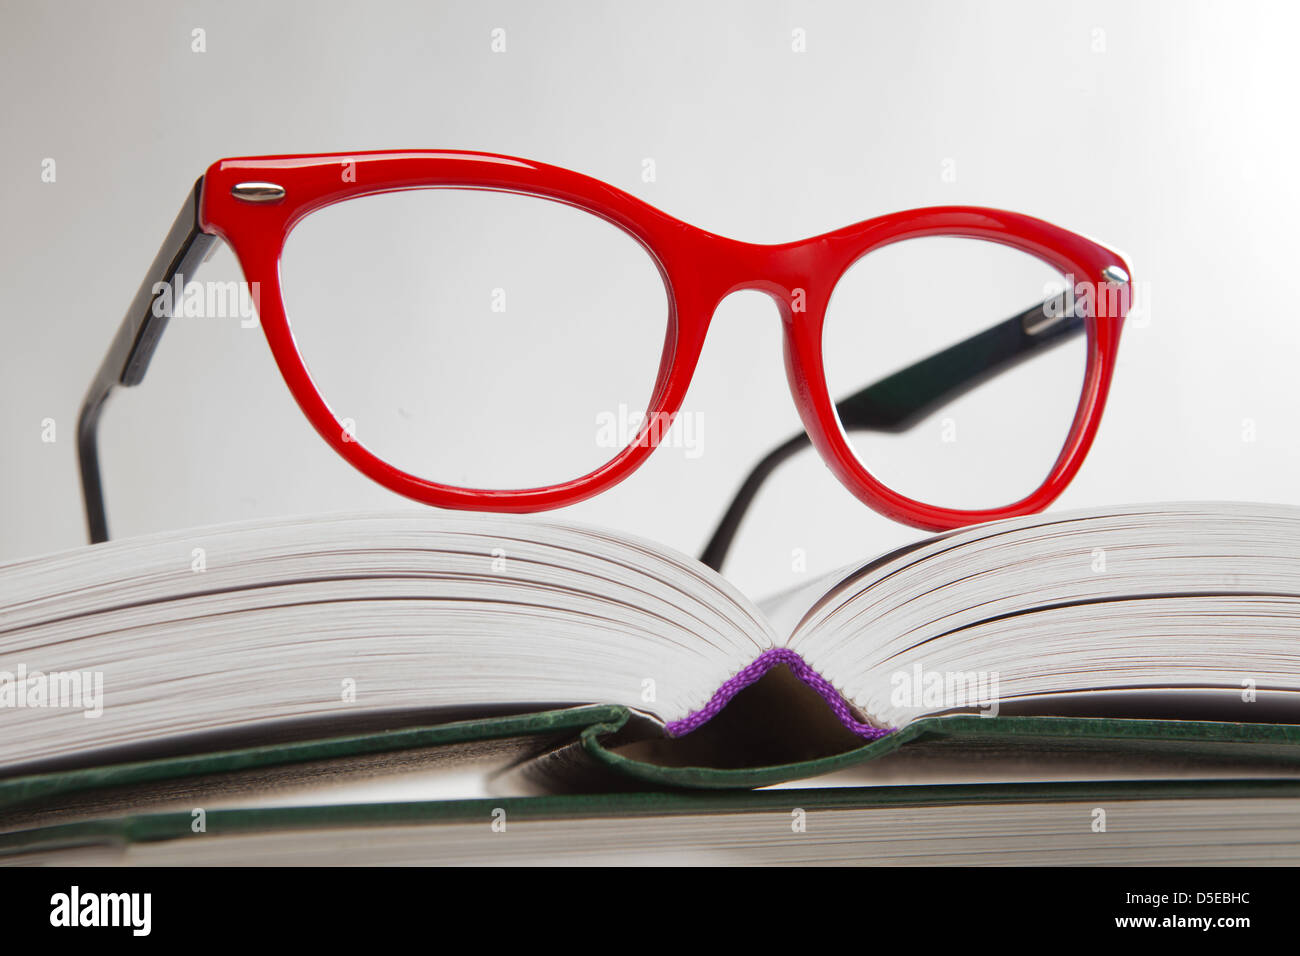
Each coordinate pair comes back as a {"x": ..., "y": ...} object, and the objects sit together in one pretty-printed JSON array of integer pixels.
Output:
[{"x": 699, "y": 270}]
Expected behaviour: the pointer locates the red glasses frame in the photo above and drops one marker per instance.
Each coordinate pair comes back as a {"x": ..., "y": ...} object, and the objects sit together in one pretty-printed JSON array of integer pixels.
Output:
[{"x": 254, "y": 203}]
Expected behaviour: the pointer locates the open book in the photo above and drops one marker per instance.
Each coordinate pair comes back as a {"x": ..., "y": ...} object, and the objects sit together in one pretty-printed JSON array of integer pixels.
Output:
[{"x": 1174, "y": 622}]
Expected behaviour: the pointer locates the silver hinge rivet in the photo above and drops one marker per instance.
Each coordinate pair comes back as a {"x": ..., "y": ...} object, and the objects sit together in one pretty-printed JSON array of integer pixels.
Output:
[{"x": 257, "y": 192}]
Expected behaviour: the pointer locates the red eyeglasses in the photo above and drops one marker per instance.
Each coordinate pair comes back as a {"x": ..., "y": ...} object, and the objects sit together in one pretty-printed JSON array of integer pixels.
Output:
[{"x": 486, "y": 333}]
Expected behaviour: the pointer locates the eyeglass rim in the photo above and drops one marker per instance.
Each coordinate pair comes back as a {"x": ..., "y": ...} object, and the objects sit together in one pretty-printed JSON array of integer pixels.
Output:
[{"x": 699, "y": 269}]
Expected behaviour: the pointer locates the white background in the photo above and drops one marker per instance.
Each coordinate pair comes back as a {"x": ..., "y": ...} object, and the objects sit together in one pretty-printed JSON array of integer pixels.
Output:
[{"x": 1165, "y": 129}]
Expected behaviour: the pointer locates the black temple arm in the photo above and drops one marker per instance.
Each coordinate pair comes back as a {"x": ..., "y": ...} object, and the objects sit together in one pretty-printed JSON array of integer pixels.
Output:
[
  {"x": 133, "y": 346},
  {"x": 901, "y": 400},
  {"x": 716, "y": 550}
]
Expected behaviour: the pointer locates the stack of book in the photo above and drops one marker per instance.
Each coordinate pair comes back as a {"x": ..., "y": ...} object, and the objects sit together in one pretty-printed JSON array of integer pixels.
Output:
[{"x": 1109, "y": 686}]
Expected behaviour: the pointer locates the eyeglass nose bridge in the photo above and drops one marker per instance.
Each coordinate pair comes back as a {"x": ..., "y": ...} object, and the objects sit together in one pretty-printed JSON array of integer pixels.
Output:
[{"x": 793, "y": 275}]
